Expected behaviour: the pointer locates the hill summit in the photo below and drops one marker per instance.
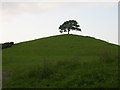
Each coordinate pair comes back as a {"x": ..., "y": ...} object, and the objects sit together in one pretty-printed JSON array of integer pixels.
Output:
[{"x": 62, "y": 45}]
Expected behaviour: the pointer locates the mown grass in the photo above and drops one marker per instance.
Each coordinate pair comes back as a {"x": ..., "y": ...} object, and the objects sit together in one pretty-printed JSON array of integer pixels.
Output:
[{"x": 65, "y": 61}]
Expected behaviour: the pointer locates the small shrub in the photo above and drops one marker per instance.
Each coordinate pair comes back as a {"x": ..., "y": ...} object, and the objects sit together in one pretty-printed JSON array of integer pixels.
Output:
[{"x": 7, "y": 45}]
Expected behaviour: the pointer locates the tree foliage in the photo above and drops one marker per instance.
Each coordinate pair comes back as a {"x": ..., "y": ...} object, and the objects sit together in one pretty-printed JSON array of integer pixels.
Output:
[{"x": 67, "y": 26}]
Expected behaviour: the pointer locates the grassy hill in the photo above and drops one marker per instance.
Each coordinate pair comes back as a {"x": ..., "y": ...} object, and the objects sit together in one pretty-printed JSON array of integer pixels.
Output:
[{"x": 63, "y": 61}]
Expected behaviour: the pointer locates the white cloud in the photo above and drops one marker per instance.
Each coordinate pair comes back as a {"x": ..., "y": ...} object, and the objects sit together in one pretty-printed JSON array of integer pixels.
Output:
[{"x": 9, "y": 10}]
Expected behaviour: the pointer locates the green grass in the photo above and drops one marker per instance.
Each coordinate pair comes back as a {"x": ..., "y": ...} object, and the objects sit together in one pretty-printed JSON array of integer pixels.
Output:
[{"x": 63, "y": 61}]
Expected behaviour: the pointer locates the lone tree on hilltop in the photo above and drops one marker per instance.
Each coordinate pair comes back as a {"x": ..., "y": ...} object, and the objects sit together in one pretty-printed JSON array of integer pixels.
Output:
[{"x": 69, "y": 25}]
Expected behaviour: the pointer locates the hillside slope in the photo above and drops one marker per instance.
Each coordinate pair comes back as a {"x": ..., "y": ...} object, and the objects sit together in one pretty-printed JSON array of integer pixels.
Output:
[
  {"x": 61, "y": 45},
  {"x": 61, "y": 61}
]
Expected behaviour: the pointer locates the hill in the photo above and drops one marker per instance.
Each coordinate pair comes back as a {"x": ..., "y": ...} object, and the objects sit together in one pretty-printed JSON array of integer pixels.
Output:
[{"x": 62, "y": 61}]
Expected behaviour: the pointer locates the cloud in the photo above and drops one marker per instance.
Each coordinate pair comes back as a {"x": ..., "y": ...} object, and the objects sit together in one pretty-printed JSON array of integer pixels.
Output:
[
  {"x": 27, "y": 6},
  {"x": 15, "y": 7},
  {"x": 10, "y": 10}
]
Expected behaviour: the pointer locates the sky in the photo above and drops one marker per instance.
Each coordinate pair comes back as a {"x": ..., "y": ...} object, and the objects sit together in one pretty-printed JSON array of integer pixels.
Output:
[{"x": 23, "y": 21}]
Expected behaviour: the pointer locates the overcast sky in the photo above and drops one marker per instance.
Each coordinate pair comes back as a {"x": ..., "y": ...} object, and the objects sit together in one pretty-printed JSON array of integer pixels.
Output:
[{"x": 23, "y": 21}]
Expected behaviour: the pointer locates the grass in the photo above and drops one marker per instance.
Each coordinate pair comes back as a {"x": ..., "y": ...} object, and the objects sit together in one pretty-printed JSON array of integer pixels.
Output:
[{"x": 63, "y": 61}]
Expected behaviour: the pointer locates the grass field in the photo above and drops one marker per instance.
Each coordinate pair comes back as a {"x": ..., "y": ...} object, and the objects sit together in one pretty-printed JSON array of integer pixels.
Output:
[{"x": 63, "y": 61}]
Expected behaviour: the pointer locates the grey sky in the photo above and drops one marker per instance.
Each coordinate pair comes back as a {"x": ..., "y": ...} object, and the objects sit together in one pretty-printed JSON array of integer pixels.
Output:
[{"x": 23, "y": 21}]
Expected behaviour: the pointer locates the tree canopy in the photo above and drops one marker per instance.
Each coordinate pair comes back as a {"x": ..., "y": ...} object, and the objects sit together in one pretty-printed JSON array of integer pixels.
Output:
[{"x": 67, "y": 26}]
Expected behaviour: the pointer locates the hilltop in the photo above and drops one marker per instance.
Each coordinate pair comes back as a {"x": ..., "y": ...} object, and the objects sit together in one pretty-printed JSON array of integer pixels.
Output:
[
  {"x": 61, "y": 61},
  {"x": 62, "y": 45}
]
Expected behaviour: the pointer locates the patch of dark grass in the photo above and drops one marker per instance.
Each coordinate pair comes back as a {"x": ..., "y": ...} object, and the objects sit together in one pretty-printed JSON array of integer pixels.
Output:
[
  {"x": 108, "y": 56},
  {"x": 43, "y": 71},
  {"x": 50, "y": 67}
]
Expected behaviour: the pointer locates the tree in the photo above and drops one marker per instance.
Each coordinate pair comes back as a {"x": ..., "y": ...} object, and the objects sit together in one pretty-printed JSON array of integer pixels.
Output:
[{"x": 69, "y": 25}]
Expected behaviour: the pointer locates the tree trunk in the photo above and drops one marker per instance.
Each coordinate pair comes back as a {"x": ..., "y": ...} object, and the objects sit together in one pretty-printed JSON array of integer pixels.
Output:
[{"x": 68, "y": 31}]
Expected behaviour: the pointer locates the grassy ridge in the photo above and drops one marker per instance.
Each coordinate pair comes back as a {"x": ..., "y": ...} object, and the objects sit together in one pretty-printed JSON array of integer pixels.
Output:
[{"x": 64, "y": 61}]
